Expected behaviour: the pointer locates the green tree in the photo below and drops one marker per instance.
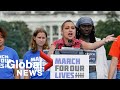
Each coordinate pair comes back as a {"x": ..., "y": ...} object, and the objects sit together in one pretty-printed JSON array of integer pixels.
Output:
[
  {"x": 19, "y": 36},
  {"x": 110, "y": 26}
]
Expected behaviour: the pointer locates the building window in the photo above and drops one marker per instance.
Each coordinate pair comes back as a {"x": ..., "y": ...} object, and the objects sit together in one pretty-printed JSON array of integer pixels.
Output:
[
  {"x": 55, "y": 30},
  {"x": 48, "y": 30}
]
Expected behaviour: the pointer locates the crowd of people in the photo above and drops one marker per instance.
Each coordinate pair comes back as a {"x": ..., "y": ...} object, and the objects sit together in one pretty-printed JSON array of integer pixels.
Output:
[{"x": 81, "y": 35}]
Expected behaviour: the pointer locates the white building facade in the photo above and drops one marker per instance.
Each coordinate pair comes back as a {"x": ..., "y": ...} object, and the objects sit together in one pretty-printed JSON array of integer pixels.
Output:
[{"x": 51, "y": 21}]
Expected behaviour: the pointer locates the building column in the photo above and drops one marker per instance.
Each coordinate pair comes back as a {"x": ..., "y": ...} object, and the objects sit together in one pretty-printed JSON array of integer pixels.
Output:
[
  {"x": 59, "y": 32},
  {"x": 51, "y": 36}
]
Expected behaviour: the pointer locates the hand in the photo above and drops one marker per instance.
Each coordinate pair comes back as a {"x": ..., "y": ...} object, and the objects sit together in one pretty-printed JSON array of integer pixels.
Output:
[{"x": 110, "y": 38}]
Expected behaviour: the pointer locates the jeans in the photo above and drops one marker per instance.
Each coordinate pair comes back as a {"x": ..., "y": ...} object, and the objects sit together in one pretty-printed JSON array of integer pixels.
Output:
[
  {"x": 118, "y": 74},
  {"x": 93, "y": 75}
]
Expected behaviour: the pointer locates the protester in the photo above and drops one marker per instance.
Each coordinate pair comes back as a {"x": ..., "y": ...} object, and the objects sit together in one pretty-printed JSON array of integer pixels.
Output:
[
  {"x": 86, "y": 32},
  {"x": 8, "y": 59},
  {"x": 38, "y": 43}
]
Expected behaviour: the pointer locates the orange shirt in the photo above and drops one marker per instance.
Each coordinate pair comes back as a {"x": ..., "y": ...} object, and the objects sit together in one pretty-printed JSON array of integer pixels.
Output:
[{"x": 115, "y": 50}]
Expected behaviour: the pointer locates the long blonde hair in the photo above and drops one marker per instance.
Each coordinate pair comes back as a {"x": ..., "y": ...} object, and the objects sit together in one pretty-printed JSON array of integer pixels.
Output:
[{"x": 33, "y": 42}]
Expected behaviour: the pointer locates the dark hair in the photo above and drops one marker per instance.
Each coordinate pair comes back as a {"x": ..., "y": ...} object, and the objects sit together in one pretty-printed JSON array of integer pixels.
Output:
[
  {"x": 66, "y": 22},
  {"x": 3, "y": 32},
  {"x": 78, "y": 31},
  {"x": 33, "y": 42}
]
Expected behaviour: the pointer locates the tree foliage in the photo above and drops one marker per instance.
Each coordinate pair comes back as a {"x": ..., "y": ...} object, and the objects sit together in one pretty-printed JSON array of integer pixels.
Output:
[
  {"x": 110, "y": 26},
  {"x": 18, "y": 36}
]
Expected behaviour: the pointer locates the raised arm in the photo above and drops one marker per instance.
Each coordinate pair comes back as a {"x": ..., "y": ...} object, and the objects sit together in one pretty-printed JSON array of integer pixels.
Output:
[{"x": 95, "y": 45}]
